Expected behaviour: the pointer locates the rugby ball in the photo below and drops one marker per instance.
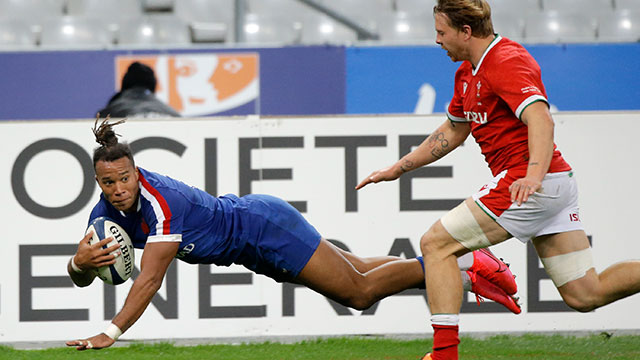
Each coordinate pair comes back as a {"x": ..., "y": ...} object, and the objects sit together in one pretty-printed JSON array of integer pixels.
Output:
[{"x": 115, "y": 274}]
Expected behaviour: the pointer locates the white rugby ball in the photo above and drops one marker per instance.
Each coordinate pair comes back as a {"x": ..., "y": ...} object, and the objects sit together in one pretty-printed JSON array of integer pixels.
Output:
[{"x": 121, "y": 271}]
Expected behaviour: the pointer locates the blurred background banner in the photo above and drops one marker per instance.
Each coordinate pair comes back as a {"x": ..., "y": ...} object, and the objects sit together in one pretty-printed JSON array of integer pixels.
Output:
[
  {"x": 577, "y": 77},
  {"x": 75, "y": 84},
  {"x": 320, "y": 92},
  {"x": 310, "y": 80},
  {"x": 49, "y": 190}
]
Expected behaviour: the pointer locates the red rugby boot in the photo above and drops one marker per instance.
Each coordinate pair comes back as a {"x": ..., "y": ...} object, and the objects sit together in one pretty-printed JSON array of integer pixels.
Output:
[
  {"x": 493, "y": 269},
  {"x": 485, "y": 289}
]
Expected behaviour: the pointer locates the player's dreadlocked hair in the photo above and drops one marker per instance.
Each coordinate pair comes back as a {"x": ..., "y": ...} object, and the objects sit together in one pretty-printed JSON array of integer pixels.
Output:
[
  {"x": 110, "y": 149},
  {"x": 475, "y": 13}
]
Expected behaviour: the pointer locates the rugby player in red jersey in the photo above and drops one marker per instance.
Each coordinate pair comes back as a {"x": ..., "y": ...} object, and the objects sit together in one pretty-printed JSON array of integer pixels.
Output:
[{"x": 500, "y": 100}]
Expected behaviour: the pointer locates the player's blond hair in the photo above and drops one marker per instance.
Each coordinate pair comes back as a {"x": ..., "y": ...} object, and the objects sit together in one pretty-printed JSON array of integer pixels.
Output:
[{"x": 474, "y": 13}]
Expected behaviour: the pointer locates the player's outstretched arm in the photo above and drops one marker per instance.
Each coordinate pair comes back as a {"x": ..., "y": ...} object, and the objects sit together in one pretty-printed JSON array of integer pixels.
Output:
[
  {"x": 441, "y": 142},
  {"x": 155, "y": 260},
  {"x": 89, "y": 257}
]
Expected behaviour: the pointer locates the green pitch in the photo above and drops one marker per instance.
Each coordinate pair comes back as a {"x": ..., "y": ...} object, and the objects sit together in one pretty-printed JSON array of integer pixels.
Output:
[{"x": 351, "y": 348}]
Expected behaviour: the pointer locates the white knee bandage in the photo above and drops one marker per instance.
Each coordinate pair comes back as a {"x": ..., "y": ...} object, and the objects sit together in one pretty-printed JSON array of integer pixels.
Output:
[
  {"x": 462, "y": 226},
  {"x": 568, "y": 267}
]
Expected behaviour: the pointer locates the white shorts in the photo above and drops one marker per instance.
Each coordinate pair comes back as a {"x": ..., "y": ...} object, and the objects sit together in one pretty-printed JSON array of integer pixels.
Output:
[{"x": 553, "y": 209}]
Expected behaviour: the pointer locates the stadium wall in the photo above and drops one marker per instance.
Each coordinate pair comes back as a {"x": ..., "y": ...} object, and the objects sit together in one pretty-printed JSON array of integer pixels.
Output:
[
  {"x": 301, "y": 80},
  {"x": 49, "y": 190},
  {"x": 577, "y": 77}
]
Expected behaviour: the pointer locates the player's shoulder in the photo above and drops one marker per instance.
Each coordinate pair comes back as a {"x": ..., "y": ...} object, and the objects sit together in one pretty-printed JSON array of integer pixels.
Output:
[
  {"x": 508, "y": 58},
  {"x": 153, "y": 180},
  {"x": 162, "y": 189},
  {"x": 101, "y": 208},
  {"x": 507, "y": 51}
]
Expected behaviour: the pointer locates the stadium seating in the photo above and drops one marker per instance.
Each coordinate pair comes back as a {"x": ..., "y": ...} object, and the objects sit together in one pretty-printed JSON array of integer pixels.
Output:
[
  {"x": 209, "y": 20},
  {"x": 555, "y": 27},
  {"x": 109, "y": 10},
  {"x": 157, "y": 5},
  {"x": 271, "y": 30},
  {"x": 509, "y": 25},
  {"x": 292, "y": 9},
  {"x": 33, "y": 23},
  {"x": 619, "y": 26},
  {"x": 321, "y": 29},
  {"x": 417, "y": 7},
  {"x": 515, "y": 6},
  {"x": 74, "y": 32},
  {"x": 403, "y": 28},
  {"x": 205, "y": 11},
  {"x": 627, "y": 4},
  {"x": 359, "y": 8},
  {"x": 16, "y": 33},
  {"x": 31, "y": 9},
  {"x": 153, "y": 30},
  {"x": 584, "y": 6}
]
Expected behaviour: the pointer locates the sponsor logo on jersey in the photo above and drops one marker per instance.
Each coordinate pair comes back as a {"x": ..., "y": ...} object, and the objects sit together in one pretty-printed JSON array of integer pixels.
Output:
[
  {"x": 476, "y": 117},
  {"x": 528, "y": 89},
  {"x": 200, "y": 84}
]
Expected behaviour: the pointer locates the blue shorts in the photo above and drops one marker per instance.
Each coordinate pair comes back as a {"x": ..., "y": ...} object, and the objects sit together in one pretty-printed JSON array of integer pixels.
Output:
[{"x": 279, "y": 240}]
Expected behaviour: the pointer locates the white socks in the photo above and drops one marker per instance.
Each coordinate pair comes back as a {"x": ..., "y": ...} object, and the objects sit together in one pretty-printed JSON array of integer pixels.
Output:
[
  {"x": 445, "y": 319},
  {"x": 465, "y": 261}
]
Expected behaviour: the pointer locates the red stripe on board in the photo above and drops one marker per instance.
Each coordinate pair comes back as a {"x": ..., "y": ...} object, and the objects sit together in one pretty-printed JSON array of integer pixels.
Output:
[{"x": 166, "y": 230}]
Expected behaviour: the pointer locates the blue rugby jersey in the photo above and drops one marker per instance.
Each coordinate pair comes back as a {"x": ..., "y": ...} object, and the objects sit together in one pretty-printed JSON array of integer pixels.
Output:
[{"x": 207, "y": 227}]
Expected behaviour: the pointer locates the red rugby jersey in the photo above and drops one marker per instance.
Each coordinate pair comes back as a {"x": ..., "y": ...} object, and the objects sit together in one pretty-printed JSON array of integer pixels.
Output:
[{"x": 492, "y": 98}]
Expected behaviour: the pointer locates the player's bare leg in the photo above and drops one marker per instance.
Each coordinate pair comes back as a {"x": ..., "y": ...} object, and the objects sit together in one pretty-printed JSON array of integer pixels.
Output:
[
  {"x": 440, "y": 257},
  {"x": 476, "y": 275},
  {"x": 593, "y": 290},
  {"x": 331, "y": 274},
  {"x": 440, "y": 250},
  {"x": 365, "y": 264}
]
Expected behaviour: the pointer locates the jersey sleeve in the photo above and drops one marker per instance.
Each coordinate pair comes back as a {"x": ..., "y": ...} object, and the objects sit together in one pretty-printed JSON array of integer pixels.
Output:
[
  {"x": 163, "y": 210},
  {"x": 455, "y": 111},
  {"x": 518, "y": 82}
]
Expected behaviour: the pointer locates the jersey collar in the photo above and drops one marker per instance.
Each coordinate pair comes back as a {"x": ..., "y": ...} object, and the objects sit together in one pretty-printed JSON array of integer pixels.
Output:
[{"x": 495, "y": 41}]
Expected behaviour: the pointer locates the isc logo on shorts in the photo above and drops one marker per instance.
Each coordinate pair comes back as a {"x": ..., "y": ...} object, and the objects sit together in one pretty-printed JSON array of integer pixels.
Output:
[
  {"x": 574, "y": 217},
  {"x": 186, "y": 251}
]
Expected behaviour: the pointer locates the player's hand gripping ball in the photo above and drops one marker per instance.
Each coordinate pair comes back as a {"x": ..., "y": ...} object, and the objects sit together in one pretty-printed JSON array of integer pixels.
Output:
[{"x": 121, "y": 271}]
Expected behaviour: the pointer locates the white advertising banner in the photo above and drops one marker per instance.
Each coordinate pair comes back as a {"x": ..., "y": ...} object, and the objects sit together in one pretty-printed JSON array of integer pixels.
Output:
[{"x": 314, "y": 163}]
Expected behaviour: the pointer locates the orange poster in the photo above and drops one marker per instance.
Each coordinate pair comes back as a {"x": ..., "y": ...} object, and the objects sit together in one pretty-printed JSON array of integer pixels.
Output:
[{"x": 200, "y": 84}]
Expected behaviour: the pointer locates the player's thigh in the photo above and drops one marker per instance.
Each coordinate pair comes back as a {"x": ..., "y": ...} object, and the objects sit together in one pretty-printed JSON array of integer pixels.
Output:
[
  {"x": 561, "y": 243},
  {"x": 467, "y": 227},
  {"x": 329, "y": 272},
  {"x": 568, "y": 262},
  {"x": 494, "y": 232},
  {"x": 583, "y": 292}
]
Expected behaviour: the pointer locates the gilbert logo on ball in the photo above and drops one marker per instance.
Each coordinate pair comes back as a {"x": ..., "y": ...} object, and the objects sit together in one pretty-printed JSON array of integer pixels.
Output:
[{"x": 121, "y": 271}]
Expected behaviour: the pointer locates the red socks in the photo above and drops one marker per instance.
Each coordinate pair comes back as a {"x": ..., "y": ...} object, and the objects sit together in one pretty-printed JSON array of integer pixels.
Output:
[{"x": 445, "y": 342}]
